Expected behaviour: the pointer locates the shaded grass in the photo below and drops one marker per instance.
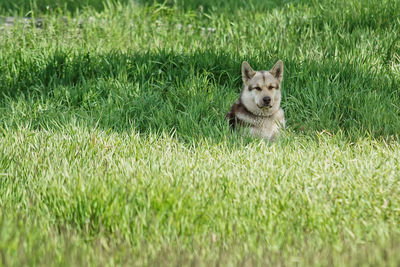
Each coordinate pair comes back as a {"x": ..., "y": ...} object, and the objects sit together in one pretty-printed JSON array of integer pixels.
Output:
[{"x": 130, "y": 90}]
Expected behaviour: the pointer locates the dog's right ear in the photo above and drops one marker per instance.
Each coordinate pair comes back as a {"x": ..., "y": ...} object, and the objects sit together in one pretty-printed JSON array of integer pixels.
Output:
[{"x": 247, "y": 72}]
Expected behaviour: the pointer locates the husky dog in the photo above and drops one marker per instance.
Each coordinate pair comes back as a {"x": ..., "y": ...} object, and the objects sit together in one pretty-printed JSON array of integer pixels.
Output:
[{"x": 258, "y": 108}]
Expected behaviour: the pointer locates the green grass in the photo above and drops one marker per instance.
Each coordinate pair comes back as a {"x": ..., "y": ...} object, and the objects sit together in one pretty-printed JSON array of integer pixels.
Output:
[{"x": 114, "y": 149}]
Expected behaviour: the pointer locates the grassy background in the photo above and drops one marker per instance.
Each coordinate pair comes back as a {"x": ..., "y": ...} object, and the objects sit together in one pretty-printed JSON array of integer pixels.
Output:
[{"x": 114, "y": 148}]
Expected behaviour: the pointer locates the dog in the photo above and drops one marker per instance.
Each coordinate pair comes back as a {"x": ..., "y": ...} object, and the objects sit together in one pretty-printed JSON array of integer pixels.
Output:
[{"x": 258, "y": 109}]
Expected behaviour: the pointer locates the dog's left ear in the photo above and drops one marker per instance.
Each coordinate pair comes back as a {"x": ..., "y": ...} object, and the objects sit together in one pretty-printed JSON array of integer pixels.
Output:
[{"x": 277, "y": 70}]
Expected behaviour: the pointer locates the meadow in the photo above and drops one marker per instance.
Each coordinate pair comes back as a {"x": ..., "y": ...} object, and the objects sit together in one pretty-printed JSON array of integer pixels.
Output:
[{"x": 114, "y": 149}]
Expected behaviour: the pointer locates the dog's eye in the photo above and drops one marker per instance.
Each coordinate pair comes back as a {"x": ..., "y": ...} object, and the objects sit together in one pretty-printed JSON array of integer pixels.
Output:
[
  {"x": 270, "y": 87},
  {"x": 257, "y": 88}
]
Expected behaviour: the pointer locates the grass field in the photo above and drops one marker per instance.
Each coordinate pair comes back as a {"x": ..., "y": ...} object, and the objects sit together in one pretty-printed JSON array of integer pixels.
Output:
[{"x": 114, "y": 149}]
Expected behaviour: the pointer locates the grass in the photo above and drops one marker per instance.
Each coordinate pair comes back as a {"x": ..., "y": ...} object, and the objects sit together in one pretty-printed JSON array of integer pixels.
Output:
[{"x": 114, "y": 149}]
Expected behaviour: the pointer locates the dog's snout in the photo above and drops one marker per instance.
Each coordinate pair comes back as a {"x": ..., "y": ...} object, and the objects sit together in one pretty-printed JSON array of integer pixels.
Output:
[{"x": 267, "y": 100}]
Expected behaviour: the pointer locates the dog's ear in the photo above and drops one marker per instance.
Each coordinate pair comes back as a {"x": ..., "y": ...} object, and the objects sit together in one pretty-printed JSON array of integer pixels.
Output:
[
  {"x": 277, "y": 70},
  {"x": 247, "y": 72}
]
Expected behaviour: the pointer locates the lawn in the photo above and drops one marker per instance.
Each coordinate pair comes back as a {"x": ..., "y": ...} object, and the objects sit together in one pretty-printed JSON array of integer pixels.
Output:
[{"x": 114, "y": 149}]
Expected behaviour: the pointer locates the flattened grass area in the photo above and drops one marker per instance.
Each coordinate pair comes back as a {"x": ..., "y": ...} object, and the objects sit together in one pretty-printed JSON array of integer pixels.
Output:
[{"x": 114, "y": 149}]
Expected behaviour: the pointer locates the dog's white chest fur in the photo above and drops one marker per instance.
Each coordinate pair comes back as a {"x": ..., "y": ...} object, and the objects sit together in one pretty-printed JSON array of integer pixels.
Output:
[{"x": 264, "y": 127}]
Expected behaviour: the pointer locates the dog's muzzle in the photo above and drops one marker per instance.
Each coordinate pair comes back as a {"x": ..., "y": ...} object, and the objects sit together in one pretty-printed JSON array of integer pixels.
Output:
[{"x": 266, "y": 103}]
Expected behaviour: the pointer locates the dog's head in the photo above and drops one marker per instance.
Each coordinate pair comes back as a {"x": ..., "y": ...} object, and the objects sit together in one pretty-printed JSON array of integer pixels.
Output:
[{"x": 261, "y": 93}]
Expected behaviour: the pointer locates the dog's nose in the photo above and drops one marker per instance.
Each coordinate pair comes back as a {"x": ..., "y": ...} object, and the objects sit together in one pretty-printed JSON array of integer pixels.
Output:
[{"x": 267, "y": 100}]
